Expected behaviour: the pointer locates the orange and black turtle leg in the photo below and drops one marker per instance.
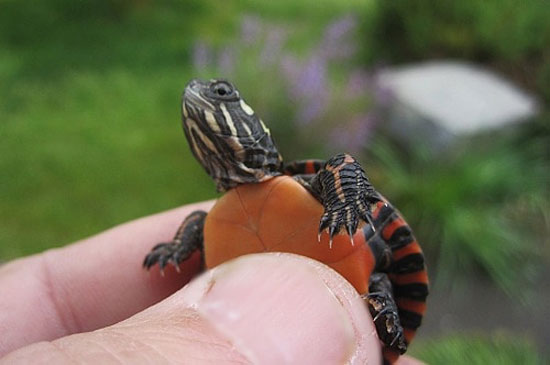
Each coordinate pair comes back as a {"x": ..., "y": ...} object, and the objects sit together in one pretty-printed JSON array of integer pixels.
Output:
[
  {"x": 188, "y": 239},
  {"x": 346, "y": 194},
  {"x": 407, "y": 271},
  {"x": 380, "y": 298},
  {"x": 385, "y": 314},
  {"x": 399, "y": 285},
  {"x": 303, "y": 167}
]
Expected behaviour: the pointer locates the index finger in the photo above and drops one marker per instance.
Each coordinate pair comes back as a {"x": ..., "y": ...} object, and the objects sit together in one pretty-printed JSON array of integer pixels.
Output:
[{"x": 90, "y": 284}]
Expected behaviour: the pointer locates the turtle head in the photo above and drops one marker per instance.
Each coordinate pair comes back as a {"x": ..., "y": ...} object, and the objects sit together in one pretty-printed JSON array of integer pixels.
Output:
[{"x": 225, "y": 135}]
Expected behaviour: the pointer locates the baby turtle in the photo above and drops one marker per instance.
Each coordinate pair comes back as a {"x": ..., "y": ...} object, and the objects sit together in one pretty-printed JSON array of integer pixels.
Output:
[{"x": 273, "y": 206}]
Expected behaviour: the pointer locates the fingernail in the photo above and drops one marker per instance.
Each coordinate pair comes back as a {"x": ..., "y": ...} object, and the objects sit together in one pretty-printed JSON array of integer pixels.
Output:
[{"x": 283, "y": 309}]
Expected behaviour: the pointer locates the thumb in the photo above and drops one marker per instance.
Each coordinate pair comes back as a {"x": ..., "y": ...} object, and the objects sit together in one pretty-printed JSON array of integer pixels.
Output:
[{"x": 264, "y": 308}]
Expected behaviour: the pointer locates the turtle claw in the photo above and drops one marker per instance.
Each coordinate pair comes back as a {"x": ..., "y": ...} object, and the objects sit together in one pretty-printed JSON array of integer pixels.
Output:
[
  {"x": 164, "y": 254},
  {"x": 351, "y": 227},
  {"x": 331, "y": 228},
  {"x": 344, "y": 218},
  {"x": 398, "y": 336},
  {"x": 346, "y": 195},
  {"x": 386, "y": 321},
  {"x": 324, "y": 223},
  {"x": 381, "y": 313},
  {"x": 367, "y": 218},
  {"x": 332, "y": 231}
]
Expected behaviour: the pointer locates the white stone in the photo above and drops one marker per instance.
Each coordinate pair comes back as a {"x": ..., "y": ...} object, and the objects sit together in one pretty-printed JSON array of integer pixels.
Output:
[{"x": 460, "y": 98}]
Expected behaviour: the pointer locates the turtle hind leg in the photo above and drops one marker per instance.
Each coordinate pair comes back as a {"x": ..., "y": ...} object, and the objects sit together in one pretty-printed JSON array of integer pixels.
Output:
[
  {"x": 385, "y": 314},
  {"x": 188, "y": 239}
]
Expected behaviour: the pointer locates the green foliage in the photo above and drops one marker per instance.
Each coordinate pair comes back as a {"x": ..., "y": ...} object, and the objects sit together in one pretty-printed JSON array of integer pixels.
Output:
[
  {"x": 475, "y": 209},
  {"x": 56, "y": 36},
  {"x": 474, "y": 349},
  {"x": 83, "y": 154},
  {"x": 496, "y": 29},
  {"x": 511, "y": 35},
  {"x": 90, "y": 117},
  {"x": 484, "y": 207}
]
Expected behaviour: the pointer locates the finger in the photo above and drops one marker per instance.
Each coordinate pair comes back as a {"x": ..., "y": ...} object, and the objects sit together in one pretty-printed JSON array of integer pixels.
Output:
[
  {"x": 90, "y": 284},
  {"x": 264, "y": 308}
]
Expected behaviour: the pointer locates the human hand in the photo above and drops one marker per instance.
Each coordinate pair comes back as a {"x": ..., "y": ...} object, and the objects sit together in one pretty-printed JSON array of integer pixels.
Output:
[{"x": 267, "y": 308}]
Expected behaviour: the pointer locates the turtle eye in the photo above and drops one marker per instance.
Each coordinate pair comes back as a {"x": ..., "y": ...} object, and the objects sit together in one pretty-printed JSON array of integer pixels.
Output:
[{"x": 222, "y": 89}]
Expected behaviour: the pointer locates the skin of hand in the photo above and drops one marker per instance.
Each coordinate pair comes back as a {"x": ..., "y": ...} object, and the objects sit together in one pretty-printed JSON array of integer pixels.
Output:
[{"x": 92, "y": 302}]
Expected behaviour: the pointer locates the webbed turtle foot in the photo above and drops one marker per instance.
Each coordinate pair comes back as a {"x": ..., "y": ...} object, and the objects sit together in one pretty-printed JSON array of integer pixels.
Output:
[
  {"x": 386, "y": 320},
  {"x": 187, "y": 240},
  {"x": 346, "y": 194},
  {"x": 385, "y": 314},
  {"x": 166, "y": 253},
  {"x": 345, "y": 218}
]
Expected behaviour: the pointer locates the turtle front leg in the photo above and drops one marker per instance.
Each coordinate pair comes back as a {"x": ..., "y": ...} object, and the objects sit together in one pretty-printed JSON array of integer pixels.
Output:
[
  {"x": 187, "y": 240},
  {"x": 303, "y": 167},
  {"x": 346, "y": 194}
]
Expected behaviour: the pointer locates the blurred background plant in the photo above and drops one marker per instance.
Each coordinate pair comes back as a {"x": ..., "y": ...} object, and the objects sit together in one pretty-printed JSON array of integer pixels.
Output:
[
  {"x": 90, "y": 137},
  {"x": 327, "y": 86},
  {"x": 479, "y": 349}
]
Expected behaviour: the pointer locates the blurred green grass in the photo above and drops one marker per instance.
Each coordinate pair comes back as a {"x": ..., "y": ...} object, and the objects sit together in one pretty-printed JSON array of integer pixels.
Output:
[
  {"x": 90, "y": 118},
  {"x": 91, "y": 150},
  {"x": 479, "y": 349},
  {"x": 477, "y": 209}
]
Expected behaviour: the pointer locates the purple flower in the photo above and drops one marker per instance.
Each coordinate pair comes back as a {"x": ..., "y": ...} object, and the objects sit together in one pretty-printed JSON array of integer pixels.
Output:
[
  {"x": 358, "y": 83},
  {"x": 353, "y": 136},
  {"x": 336, "y": 43},
  {"x": 337, "y": 30},
  {"x": 311, "y": 80},
  {"x": 226, "y": 61},
  {"x": 201, "y": 55},
  {"x": 250, "y": 29},
  {"x": 290, "y": 68},
  {"x": 313, "y": 97},
  {"x": 273, "y": 46},
  {"x": 309, "y": 110},
  {"x": 308, "y": 87}
]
